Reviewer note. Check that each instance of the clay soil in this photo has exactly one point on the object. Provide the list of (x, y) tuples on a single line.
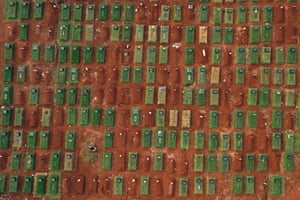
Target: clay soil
[(88, 180)]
